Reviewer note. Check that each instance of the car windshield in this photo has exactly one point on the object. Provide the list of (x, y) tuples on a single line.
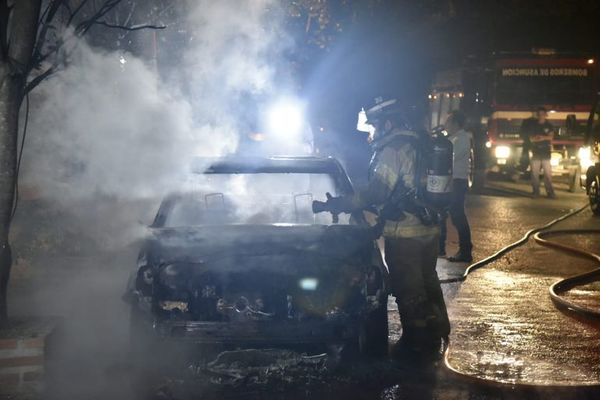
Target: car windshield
[(261, 198)]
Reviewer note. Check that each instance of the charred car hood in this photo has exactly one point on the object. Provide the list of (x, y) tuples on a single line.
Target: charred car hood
[(202, 244)]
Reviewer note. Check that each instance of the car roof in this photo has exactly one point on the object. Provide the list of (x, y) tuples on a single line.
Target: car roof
[(274, 164)]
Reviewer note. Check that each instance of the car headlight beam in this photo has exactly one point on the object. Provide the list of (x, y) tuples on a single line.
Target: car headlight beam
[(585, 157), (502, 152)]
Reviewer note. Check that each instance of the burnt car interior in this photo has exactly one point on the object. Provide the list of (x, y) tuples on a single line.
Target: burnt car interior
[(266, 198), (253, 191)]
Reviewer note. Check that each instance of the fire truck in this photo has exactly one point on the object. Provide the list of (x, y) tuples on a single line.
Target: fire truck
[(501, 91), (590, 180)]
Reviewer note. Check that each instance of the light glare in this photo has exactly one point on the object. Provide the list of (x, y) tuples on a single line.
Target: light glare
[(585, 158), (285, 118), (502, 152), (309, 284)]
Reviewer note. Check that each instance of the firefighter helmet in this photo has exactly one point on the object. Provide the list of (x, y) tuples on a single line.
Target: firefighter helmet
[(389, 109)]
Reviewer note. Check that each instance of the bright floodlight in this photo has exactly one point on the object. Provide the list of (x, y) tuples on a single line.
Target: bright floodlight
[(285, 118)]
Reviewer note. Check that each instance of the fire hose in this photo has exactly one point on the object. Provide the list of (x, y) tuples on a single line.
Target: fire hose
[(497, 255), (566, 284), (586, 315)]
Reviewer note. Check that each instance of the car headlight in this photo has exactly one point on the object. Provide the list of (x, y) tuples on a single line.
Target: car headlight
[(502, 152), (585, 157), (555, 159)]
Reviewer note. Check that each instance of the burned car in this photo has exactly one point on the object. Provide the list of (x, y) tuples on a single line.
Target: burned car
[(241, 260)]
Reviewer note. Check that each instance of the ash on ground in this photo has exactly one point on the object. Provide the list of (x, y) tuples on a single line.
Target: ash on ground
[(268, 367)]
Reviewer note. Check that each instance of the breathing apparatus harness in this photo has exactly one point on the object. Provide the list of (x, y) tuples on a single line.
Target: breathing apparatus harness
[(433, 169)]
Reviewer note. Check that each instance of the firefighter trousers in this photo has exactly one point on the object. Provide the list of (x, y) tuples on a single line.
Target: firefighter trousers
[(414, 282)]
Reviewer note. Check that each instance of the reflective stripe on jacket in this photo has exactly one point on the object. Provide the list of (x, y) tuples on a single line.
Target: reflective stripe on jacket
[(394, 159)]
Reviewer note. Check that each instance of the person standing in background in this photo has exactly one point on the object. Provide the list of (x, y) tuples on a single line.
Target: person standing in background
[(537, 134), (461, 142)]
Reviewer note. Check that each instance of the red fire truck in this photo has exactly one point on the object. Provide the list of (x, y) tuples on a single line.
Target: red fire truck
[(499, 93), (591, 152)]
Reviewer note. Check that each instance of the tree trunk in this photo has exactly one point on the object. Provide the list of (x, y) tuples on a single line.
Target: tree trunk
[(19, 32), (10, 91)]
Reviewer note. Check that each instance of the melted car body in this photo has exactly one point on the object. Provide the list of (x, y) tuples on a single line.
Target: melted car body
[(240, 259)]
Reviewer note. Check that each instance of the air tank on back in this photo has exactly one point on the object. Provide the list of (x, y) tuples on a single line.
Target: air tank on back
[(438, 164)]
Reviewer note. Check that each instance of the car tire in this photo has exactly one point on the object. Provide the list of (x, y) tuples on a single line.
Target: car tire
[(373, 335), (594, 195)]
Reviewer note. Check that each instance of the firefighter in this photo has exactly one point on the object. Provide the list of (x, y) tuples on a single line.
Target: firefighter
[(410, 233)]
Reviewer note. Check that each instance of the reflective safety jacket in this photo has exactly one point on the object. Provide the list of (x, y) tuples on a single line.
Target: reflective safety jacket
[(395, 158)]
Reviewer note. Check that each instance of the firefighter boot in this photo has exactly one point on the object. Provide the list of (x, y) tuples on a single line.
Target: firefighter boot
[(419, 348)]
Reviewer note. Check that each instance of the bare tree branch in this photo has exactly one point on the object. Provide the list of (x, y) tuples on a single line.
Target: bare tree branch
[(129, 28), (49, 14), (76, 11), (129, 15), (39, 79), (84, 26), (68, 7), (79, 31), (46, 11), (165, 9)]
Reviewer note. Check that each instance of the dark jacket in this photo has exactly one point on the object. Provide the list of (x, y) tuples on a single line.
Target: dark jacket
[(531, 127)]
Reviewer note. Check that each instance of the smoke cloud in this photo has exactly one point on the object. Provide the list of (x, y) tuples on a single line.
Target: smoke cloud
[(108, 137), (110, 134), (108, 125), (111, 124)]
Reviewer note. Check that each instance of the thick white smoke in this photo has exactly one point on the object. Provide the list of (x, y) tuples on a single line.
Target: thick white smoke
[(107, 125), (110, 126), (236, 47)]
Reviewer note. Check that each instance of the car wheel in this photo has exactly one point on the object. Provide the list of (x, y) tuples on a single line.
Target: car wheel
[(594, 195), (373, 335)]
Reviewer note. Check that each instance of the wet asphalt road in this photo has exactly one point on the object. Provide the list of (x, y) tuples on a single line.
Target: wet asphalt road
[(504, 326)]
